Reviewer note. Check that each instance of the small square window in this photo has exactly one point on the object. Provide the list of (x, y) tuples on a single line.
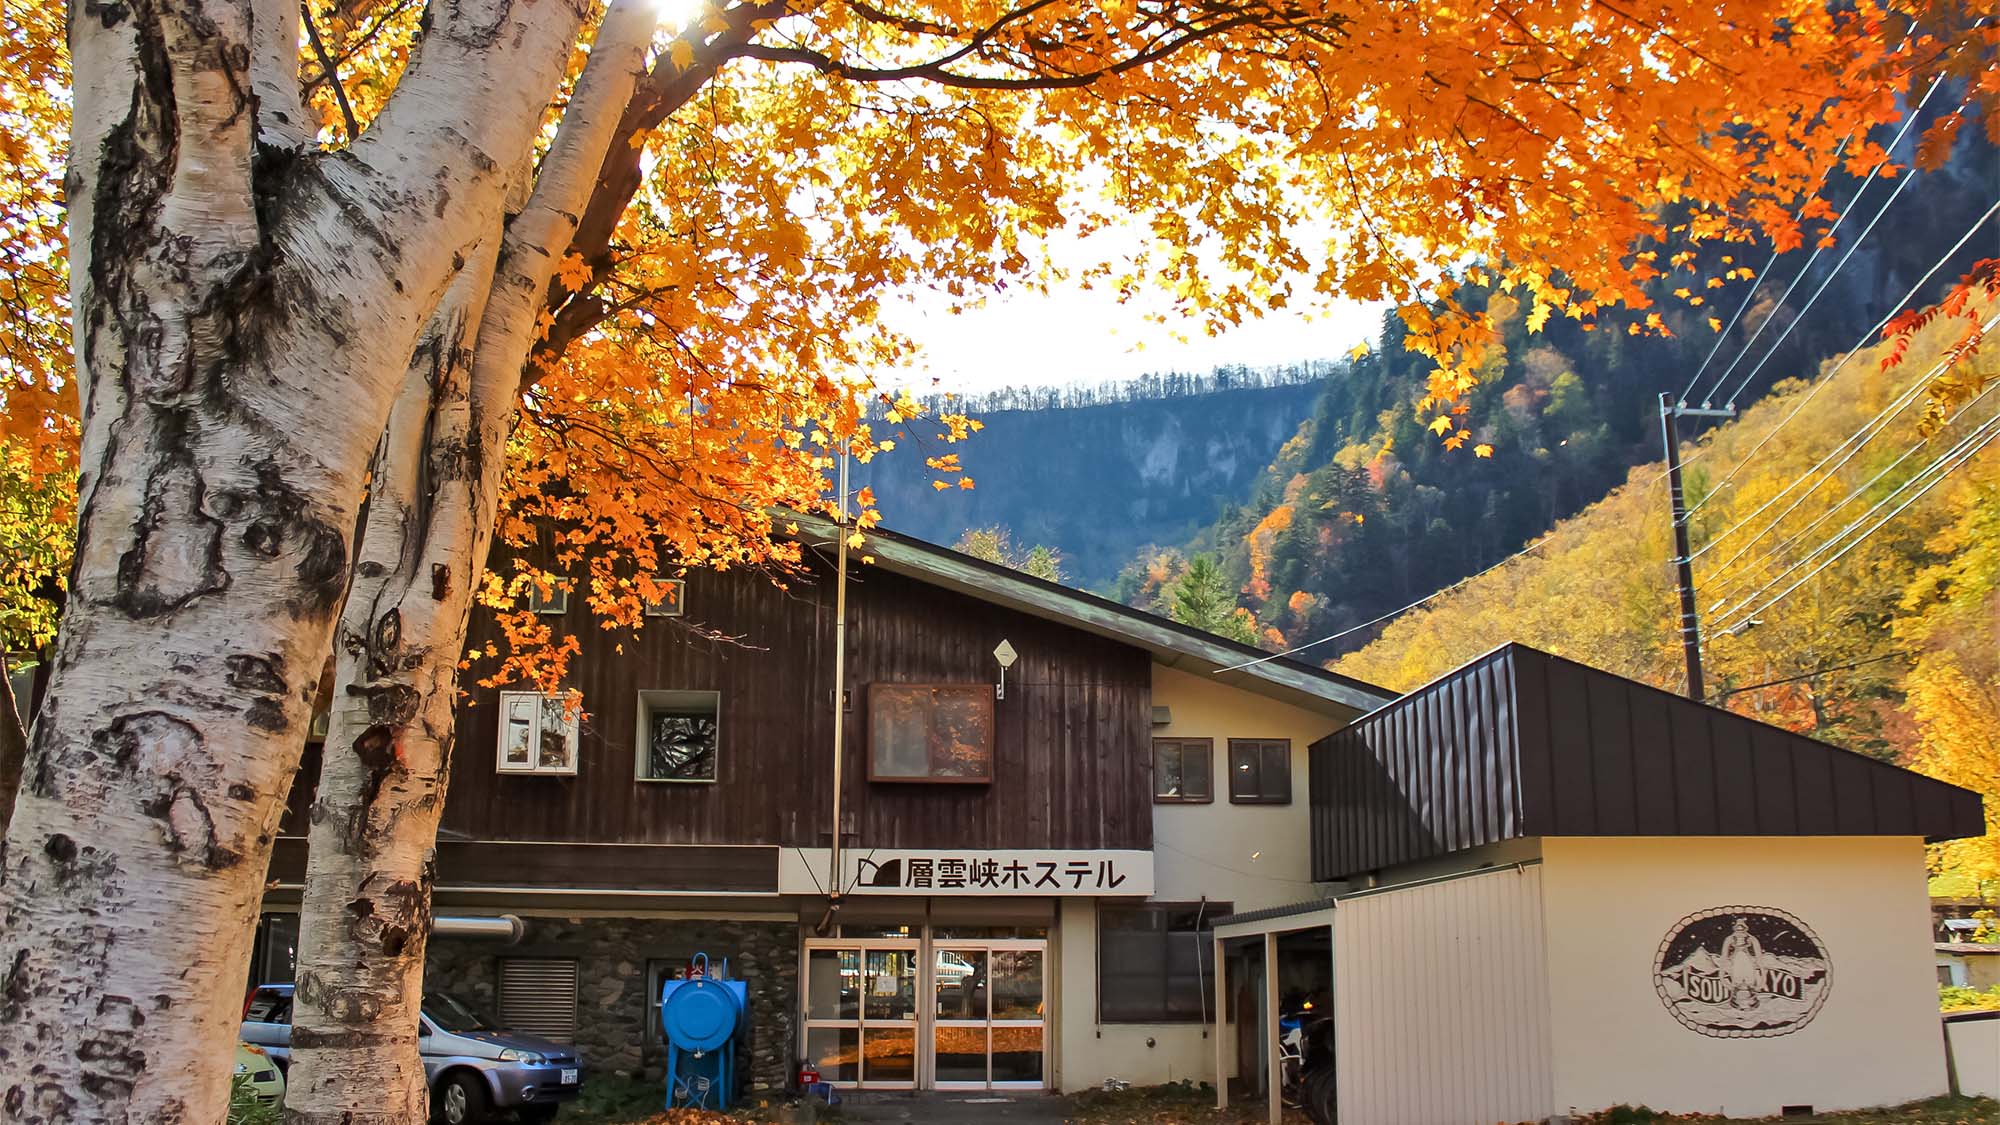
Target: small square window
[(672, 601), (555, 602), (1183, 771), (680, 735), (537, 734), (1260, 771)]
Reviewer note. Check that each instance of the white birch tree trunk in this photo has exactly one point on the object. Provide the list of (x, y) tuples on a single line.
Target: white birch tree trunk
[(365, 919), (245, 313)]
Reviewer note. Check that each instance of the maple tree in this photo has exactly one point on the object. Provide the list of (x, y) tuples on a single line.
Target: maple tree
[(312, 264)]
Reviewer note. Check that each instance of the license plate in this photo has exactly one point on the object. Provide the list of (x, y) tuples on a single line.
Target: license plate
[(569, 1076)]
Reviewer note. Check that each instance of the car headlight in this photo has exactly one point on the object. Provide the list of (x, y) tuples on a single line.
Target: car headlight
[(512, 1055)]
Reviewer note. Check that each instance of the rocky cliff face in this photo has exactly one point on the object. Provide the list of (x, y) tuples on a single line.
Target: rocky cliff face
[(1098, 482)]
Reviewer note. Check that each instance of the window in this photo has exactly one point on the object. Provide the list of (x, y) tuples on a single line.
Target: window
[(930, 732), (672, 601), (1154, 961), (556, 601), (537, 733), (679, 735), (1183, 771), (1260, 771), (660, 970), (538, 996)]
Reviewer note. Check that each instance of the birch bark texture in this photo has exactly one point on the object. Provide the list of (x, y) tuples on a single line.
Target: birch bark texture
[(365, 918), (245, 308)]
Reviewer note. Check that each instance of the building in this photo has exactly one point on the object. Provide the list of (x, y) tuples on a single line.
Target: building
[(1030, 853), (1570, 891), (1969, 964)]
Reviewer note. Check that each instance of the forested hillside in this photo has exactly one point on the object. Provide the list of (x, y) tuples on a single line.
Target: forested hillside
[(1095, 472), (1365, 510), (1892, 649)]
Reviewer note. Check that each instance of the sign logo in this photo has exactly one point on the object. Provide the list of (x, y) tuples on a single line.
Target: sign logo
[(1742, 972), (1034, 873)]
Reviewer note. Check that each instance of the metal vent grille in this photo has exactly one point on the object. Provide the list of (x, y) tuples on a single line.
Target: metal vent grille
[(538, 996)]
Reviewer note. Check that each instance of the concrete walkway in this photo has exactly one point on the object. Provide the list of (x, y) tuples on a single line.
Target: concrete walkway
[(960, 1109)]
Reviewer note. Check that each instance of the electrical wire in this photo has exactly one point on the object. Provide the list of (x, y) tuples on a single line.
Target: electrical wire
[(1727, 692), (1853, 443), (1845, 358), (1750, 292), (1858, 491), (1958, 456), (1440, 592), (1909, 122)]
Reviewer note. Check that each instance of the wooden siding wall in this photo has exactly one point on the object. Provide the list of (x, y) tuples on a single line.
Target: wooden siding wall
[(1071, 760)]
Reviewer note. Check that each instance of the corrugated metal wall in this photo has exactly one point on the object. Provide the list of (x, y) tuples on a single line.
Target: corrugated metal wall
[(1441, 1000), (1522, 743)]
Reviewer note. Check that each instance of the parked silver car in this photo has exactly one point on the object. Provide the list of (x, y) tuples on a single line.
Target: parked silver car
[(473, 1065)]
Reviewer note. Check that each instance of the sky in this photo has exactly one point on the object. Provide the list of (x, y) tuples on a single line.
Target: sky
[(1024, 338), (1020, 337)]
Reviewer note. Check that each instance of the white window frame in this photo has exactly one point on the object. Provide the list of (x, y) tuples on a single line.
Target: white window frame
[(675, 606), (656, 699), (534, 766)]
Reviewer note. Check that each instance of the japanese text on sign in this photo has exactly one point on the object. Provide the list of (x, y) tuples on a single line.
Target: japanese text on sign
[(1083, 872)]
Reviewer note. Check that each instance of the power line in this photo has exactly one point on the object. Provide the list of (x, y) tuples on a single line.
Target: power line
[(1440, 592), (1846, 357), (1723, 332), (1959, 455), (1858, 491), (1819, 247), (1853, 443), (1727, 692), (1800, 316)]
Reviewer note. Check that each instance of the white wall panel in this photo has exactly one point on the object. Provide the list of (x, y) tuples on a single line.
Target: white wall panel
[(1441, 999)]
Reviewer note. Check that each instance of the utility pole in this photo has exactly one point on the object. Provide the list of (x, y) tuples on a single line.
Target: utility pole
[(1683, 554)]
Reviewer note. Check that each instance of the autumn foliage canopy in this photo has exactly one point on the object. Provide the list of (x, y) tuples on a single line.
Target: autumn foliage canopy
[(792, 167)]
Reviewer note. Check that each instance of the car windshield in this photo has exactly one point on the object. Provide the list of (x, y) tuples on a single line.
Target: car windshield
[(455, 1015)]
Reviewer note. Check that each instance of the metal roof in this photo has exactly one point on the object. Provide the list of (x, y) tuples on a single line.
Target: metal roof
[(1520, 743), (1170, 642)]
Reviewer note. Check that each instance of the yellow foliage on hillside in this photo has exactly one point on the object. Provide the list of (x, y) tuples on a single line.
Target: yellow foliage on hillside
[(1846, 590)]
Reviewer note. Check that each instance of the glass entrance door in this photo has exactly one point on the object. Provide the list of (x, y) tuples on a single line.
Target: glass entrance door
[(982, 1023), (989, 1015), (861, 1016)]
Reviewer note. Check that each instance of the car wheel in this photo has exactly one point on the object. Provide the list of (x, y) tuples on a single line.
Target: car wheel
[(460, 1100)]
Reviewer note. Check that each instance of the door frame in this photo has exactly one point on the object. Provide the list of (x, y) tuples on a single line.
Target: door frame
[(926, 948)]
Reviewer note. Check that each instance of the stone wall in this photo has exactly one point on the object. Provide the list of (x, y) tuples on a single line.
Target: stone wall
[(613, 956)]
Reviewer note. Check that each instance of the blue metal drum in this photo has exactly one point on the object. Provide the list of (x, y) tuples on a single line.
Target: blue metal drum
[(701, 1017)]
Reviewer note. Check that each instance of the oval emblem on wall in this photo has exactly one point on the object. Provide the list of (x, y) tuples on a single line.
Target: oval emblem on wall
[(1738, 972)]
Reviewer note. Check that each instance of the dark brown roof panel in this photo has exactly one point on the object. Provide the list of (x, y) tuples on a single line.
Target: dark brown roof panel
[(1521, 743)]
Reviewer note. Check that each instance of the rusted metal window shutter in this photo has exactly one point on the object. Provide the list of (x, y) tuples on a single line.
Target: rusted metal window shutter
[(538, 996)]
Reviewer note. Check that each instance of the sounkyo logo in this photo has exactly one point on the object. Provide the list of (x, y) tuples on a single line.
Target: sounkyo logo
[(1739, 972)]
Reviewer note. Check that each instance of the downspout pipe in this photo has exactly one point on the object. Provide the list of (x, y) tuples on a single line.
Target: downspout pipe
[(505, 928)]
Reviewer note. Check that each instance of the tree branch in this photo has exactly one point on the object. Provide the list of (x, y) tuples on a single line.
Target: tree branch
[(329, 71)]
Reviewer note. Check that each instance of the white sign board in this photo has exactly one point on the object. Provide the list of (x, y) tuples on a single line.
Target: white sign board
[(1013, 874)]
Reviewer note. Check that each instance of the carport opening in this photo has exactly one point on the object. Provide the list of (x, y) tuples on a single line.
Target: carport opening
[(1284, 1032)]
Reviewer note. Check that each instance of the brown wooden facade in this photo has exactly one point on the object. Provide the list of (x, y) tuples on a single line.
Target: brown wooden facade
[(1071, 739)]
